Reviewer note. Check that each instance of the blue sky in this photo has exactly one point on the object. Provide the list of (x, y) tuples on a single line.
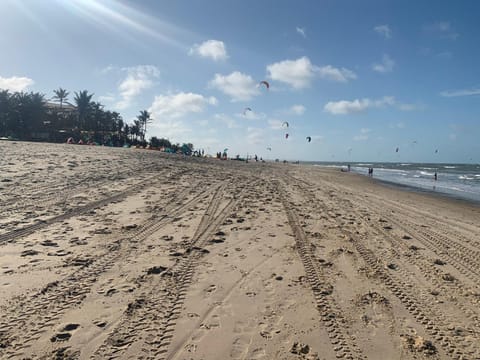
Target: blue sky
[(361, 78)]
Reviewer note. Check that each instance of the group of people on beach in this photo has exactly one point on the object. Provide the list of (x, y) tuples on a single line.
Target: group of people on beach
[(71, 140), (222, 156)]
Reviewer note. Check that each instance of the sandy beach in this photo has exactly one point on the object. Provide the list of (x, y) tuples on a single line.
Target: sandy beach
[(115, 253)]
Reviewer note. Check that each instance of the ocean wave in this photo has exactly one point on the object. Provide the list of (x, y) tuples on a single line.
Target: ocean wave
[(449, 167)]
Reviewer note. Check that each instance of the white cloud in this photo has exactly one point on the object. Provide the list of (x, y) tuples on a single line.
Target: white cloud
[(343, 107), (251, 115), (276, 124), (300, 73), (301, 31), (238, 86), (109, 98), (363, 135), (297, 73), (255, 136), (108, 69), (383, 30), (411, 107), (297, 110), (360, 137), (332, 73), (443, 29), (15, 83), (386, 65), (227, 120), (172, 129), (138, 79), (213, 49), (177, 105), (463, 92), (317, 138)]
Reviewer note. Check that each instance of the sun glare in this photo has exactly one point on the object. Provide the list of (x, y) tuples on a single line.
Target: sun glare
[(120, 17)]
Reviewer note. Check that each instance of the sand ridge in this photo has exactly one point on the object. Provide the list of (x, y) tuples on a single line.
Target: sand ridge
[(128, 253)]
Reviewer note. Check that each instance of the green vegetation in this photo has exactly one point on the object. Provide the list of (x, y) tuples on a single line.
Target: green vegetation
[(31, 117)]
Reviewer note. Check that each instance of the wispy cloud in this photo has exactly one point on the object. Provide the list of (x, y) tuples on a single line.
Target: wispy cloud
[(363, 135), (301, 72), (442, 29), (109, 98), (251, 115), (296, 110), (331, 73), (385, 66), (344, 107), (255, 136), (462, 92), (15, 83), (301, 31), (410, 107), (173, 129), (275, 124), (138, 79), (239, 86), (227, 120), (213, 49), (383, 30)]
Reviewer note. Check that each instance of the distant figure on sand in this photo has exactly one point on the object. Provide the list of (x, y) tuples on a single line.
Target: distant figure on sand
[(370, 171), (435, 176)]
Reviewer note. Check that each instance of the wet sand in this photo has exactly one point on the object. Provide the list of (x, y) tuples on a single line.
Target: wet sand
[(134, 254)]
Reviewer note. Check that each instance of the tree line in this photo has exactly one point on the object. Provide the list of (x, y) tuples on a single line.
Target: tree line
[(30, 116)]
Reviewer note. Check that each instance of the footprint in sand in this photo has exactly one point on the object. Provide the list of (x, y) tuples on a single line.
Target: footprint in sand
[(211, 289), (240, 346), (64, 334)]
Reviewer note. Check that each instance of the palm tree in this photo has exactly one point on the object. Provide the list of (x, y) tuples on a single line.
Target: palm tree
[(29, 113), (5, 111), (83, 100), (143, 119), (136, 129), (61, 95)]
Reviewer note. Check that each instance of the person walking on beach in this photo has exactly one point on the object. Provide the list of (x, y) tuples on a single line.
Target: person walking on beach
[(435, 176)]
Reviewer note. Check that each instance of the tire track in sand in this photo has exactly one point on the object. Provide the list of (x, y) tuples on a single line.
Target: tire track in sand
[(421, 307), (149, 322), (343, 343), (37, 313)]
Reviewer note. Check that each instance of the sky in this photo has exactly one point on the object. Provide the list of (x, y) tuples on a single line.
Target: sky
[(360, 78)]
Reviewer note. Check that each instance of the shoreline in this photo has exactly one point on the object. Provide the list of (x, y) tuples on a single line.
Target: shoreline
[(473, 198), (432, 192)]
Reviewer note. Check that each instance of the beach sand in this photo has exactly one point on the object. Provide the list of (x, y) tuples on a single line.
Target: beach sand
[(134, 254)]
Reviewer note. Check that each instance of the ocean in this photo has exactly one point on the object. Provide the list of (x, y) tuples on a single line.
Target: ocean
[(457, 180)]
